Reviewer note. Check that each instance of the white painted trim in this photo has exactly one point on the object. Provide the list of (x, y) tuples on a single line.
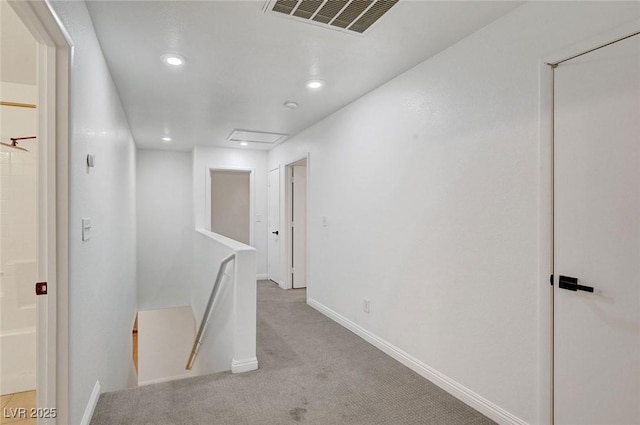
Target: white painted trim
[(207, 197), (54, 58), (165, 379), (286, 227), (454, 388), (595, 41), (262, 276), (245, 365), (91, 405), (269, 254), (308, 211), (545, 253)]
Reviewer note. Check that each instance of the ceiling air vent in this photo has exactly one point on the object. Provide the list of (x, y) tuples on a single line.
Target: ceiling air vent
[(350, 15), (255, 136)]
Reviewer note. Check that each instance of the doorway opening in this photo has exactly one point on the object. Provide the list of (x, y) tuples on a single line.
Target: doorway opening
[(19, 189), (49, 209), (296, 218), (230, 209)]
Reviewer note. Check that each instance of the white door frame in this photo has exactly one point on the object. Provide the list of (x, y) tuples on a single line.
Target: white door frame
[(54, 56), (545, 234), (269, 253), (207, 197), (286, 228)]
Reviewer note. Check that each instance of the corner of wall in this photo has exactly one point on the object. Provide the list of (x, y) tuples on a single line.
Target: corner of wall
[(91, 405)]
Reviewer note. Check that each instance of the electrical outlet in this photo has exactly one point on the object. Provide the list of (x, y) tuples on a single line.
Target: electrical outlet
[(367, 305)]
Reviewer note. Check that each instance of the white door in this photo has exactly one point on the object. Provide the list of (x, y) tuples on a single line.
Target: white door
[(299, 226), (273, 248), (597, 237)]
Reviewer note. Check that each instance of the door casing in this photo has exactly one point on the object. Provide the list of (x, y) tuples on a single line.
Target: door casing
[(207, 212), (298, 225), (545, 228), (286, 227), (54, 56), (273, 252)]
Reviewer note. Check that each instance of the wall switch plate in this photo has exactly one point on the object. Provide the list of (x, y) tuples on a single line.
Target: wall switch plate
[(86, 229), (324, 221), (367, 305)]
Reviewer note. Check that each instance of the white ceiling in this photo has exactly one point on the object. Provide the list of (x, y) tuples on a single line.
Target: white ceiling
[(243, 64)]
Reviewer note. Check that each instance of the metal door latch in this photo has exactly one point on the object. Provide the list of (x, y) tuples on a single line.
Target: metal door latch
[(571, 284), (41, 288)]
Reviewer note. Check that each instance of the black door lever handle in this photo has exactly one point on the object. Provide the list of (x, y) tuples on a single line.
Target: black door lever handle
[(571, 284), (275, 233)]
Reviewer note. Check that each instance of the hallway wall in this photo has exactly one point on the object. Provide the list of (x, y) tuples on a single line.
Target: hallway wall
[(165, 228), (204, 157), (430, 185), (102, 270)]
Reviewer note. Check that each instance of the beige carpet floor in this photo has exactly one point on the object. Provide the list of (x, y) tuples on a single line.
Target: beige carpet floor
[(312, 371)]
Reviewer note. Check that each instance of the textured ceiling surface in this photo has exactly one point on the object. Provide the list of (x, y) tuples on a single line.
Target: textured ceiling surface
[(242, 64)]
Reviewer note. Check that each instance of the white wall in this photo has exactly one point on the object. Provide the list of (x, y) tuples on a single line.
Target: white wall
[(205, 158), (165, 338), (430, 188), (229, 341), (18, 219), (231, 204), (18, 237), (165, 228), (102, 271)]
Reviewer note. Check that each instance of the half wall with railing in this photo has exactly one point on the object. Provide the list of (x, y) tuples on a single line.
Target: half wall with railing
[(217, 331), (227, 330)]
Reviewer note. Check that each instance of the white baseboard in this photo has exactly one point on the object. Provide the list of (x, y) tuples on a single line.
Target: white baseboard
[(165, 379), (17, 383), (246, 365), (91, 405), (457, 390), (262, 276)]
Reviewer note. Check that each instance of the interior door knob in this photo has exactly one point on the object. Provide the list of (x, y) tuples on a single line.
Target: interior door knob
[(275, 233)]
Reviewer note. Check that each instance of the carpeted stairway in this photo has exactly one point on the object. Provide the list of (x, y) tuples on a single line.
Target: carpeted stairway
[(312, 371)]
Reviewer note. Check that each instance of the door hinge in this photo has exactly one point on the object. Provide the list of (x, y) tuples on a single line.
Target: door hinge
[(551, 280), (41, 288)]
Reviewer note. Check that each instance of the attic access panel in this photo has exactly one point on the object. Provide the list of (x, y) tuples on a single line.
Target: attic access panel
[(355, 16)]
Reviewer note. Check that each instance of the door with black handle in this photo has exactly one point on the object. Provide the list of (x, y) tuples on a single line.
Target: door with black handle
[(597, 237)]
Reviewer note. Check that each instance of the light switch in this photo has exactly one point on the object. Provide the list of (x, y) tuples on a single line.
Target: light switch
[(324, 221), (86, 229), (258, 218)]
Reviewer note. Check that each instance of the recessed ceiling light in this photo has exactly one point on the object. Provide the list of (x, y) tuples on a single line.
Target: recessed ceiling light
[(173, 59), (315, 84), (290, 104), (244, 143), (166, 139)]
